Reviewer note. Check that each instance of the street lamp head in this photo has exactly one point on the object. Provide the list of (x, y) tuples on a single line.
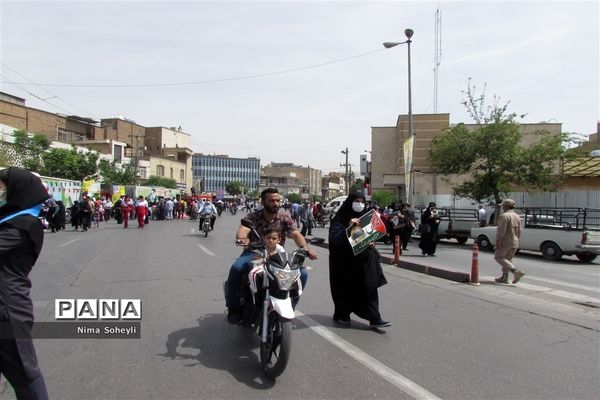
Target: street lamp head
[(388, 45), (409, 33)]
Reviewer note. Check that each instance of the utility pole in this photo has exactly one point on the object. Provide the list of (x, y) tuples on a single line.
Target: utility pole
[(347, 179)]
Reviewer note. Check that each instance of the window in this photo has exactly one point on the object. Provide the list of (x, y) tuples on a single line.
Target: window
[(160, 170), (171, 173), (181, 176)]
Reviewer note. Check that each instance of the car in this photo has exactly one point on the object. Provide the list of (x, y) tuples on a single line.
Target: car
[(334, 205)]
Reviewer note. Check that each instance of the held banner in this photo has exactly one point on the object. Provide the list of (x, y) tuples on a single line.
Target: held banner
[(371, 228)]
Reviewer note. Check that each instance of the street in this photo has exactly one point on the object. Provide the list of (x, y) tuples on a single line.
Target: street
[(536, 340)]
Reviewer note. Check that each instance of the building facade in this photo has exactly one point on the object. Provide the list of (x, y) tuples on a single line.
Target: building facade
[(289, 178), (211, 173)]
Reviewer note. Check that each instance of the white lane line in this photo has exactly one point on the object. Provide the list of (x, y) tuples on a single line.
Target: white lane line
[(554, 292), (565, 284), (207, 251), (401, 382), (69, 242)]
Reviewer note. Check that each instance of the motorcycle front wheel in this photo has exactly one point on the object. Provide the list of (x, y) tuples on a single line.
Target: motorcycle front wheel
[(275, 352)]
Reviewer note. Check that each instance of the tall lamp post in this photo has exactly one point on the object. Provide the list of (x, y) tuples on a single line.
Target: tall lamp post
[(409, 34), (347, 178)]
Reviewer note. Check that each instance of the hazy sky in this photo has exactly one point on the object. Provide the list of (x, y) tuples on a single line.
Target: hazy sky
[(541, 56)]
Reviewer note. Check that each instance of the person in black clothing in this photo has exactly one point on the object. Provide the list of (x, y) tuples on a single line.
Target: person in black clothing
[(76, 215), (353, 279), (429, 234), (61, 216), (21, 239)]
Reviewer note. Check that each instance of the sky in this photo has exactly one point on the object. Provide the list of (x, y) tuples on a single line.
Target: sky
[(299, 81)]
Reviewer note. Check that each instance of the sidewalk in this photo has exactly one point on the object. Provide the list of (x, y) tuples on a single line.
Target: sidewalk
[(423, 266)]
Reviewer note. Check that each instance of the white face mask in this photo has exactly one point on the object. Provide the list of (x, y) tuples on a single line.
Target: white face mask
[(357, 206)]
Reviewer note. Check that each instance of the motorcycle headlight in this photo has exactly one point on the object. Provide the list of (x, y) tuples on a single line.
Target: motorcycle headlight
[(285, 277)]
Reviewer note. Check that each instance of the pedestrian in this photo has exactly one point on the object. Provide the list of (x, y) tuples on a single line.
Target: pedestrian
[(430, 221), (396, 224), (76, 215), (482, 216), (126, 208), (409, 217), (508, 232), (21, 240), (353, 278), (141, 210)]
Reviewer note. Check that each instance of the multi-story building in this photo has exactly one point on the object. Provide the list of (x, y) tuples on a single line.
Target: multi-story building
[(333, 185), (170, 154), (289, 178), (211, 173)]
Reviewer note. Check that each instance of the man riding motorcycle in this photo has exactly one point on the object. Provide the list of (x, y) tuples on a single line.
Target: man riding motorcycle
[(268, 217), (207, 207)]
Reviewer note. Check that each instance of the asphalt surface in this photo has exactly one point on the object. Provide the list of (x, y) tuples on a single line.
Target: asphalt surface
[(448, 340)]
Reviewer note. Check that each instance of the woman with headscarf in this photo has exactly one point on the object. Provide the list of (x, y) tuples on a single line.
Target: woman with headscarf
[(21, 239), (430, 222), (353, 279)]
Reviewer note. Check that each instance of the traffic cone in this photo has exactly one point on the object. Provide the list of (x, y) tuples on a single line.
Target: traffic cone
[(475, 266)]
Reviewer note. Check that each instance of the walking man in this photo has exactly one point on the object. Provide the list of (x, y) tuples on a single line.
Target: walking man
[(508, 232)]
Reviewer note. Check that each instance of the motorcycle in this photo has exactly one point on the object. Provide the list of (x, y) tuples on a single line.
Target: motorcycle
[(266, 300), (205, 223)]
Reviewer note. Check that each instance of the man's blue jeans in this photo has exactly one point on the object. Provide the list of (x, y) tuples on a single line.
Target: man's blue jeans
[(235, 279)]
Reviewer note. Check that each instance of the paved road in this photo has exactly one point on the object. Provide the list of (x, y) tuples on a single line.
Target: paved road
[(448, 340)]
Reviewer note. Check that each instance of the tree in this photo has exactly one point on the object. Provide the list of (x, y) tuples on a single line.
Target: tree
[(234, 188), (69, 163), (168, 183), (115, 176), (293, 198), (493, 156), (383, 198), (31, 148), (357, 186)]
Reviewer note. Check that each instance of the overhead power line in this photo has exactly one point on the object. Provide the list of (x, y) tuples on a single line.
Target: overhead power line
[(201, 82)]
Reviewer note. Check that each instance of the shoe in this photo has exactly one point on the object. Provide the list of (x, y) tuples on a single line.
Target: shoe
[(518, 275), (502, 279), (380, 324), (342, 320), (234, 316), (424, 254)]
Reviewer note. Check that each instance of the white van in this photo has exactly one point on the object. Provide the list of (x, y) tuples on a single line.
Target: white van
[(335, 204)]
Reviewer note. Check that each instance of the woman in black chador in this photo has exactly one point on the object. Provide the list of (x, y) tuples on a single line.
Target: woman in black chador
[(353, 279), (21, 239), (429, 234)]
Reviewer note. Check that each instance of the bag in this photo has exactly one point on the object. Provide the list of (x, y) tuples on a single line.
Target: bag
[(424, 228)]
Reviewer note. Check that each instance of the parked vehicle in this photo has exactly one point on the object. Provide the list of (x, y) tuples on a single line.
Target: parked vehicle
[(266, 300), (455, 223), (334, 205), (552, 231)]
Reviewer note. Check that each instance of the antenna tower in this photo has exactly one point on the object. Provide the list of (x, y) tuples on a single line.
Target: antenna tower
[(437, 57)]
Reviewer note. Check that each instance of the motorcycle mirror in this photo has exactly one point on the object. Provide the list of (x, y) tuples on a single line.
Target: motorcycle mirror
[(247, 224)]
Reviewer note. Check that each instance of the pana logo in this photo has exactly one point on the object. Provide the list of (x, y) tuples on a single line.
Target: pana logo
[(95, 309)]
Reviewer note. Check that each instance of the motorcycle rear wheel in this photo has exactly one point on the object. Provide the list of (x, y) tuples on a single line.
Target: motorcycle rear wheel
[(275, 353)]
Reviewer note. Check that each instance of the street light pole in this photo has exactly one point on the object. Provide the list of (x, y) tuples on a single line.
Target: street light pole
[(347, 187), (409, 34)]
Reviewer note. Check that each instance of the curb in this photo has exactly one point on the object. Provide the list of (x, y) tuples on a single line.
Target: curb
[(444, 273)]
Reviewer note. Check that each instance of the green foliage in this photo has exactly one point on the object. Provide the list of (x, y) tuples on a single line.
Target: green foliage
[(383, 198), (253, 194), (357, 186), (154, 180), (492, 154), (5, 158), (234, 188), (31, 149), (68, 163), (293, 198), (115, 176)]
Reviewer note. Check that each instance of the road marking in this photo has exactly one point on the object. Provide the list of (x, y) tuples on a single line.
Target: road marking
[(69, 242), (192, 231), (555, 292), (207, 251), (565, 284), (401, 382)]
